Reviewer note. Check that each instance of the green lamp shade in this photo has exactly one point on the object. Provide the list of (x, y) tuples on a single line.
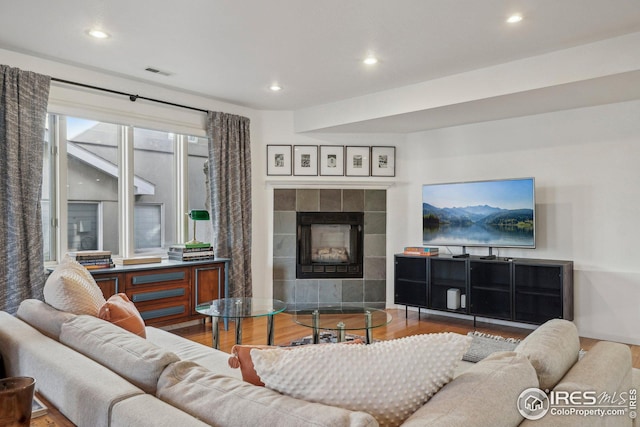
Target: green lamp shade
[(199, 215)]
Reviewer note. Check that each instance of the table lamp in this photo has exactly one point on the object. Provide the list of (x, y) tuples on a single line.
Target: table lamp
[(197, 215)]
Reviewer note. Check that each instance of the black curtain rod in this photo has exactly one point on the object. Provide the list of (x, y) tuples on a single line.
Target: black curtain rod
[(132, 98)]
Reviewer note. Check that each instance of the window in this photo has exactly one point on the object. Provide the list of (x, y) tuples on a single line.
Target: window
[(198, 149), (154, 182), (82, 195), (92, 176), (83, 226), (148, 227), (48, 188)]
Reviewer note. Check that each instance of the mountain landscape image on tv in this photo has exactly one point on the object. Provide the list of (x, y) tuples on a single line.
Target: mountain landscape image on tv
[(498, 213)]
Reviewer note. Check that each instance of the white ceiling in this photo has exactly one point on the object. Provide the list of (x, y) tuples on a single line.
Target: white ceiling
[(233, 50)]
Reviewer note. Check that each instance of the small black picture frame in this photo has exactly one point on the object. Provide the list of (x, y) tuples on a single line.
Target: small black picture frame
[(305, 160), (357, 161), (331, 160), (383, 161), (278, 160)]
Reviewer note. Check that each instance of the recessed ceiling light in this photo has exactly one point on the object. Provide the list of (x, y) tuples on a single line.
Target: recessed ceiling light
[(98, 34), (370, 60), (275, 87), (513, 19)]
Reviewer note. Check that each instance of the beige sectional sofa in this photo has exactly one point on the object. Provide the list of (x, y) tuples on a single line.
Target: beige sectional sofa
[(97, 374)]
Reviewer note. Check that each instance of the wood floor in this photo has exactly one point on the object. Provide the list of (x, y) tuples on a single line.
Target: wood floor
[(254, 331)]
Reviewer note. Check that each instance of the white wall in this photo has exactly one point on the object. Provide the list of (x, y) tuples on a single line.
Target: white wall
[(585, 162), (92, 104)]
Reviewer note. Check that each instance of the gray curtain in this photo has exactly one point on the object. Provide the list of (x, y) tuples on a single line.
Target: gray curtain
[(23, 110), (229, 169)]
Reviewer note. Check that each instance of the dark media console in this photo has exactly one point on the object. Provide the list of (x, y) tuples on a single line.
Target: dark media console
[(519, 290)]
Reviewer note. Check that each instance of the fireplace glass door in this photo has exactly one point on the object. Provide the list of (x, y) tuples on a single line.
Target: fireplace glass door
[(329, 245)]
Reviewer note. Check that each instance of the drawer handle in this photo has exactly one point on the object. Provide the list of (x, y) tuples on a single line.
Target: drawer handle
[(154, 314), (154, 278), (150, 296)]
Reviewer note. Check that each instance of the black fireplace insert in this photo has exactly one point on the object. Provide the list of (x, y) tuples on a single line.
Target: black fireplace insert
[(329, 245)]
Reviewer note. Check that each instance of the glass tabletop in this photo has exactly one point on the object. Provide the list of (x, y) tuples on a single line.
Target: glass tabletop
[(342, 317), (241, 307)]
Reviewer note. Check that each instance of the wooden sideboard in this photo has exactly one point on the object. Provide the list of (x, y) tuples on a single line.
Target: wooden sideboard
[(166, 292)]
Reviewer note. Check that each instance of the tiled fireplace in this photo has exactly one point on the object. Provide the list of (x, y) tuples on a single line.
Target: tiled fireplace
[(308, 292)]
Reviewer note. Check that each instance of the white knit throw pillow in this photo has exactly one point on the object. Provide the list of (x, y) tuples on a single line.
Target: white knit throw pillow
[(388, 379), (70, 287)]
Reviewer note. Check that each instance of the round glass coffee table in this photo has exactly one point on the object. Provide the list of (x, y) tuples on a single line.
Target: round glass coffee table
[(238, 309), (342, 318)]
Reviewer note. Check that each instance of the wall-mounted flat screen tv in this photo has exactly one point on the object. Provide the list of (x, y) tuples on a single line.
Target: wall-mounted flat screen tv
[(498, 213)]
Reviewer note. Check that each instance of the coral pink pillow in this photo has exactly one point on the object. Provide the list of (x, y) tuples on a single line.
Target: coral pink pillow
[(120, 311), (241, 358)]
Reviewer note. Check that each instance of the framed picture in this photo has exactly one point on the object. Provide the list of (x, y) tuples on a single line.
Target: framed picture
[(305, 160), (331, 160), (357, 161), (383, 161), (278, 160)]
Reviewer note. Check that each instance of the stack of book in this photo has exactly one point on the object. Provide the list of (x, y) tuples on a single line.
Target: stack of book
[(38, 408), (420, 250), (93, 260), (191, 252)]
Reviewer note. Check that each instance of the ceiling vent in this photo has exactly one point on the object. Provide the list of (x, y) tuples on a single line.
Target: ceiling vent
[(156, 71)]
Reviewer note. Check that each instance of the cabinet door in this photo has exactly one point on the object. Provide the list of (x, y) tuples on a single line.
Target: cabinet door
[(445, 276), (538, 292), (490, 287), (208, 283), (109, 283), (411, 281)]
